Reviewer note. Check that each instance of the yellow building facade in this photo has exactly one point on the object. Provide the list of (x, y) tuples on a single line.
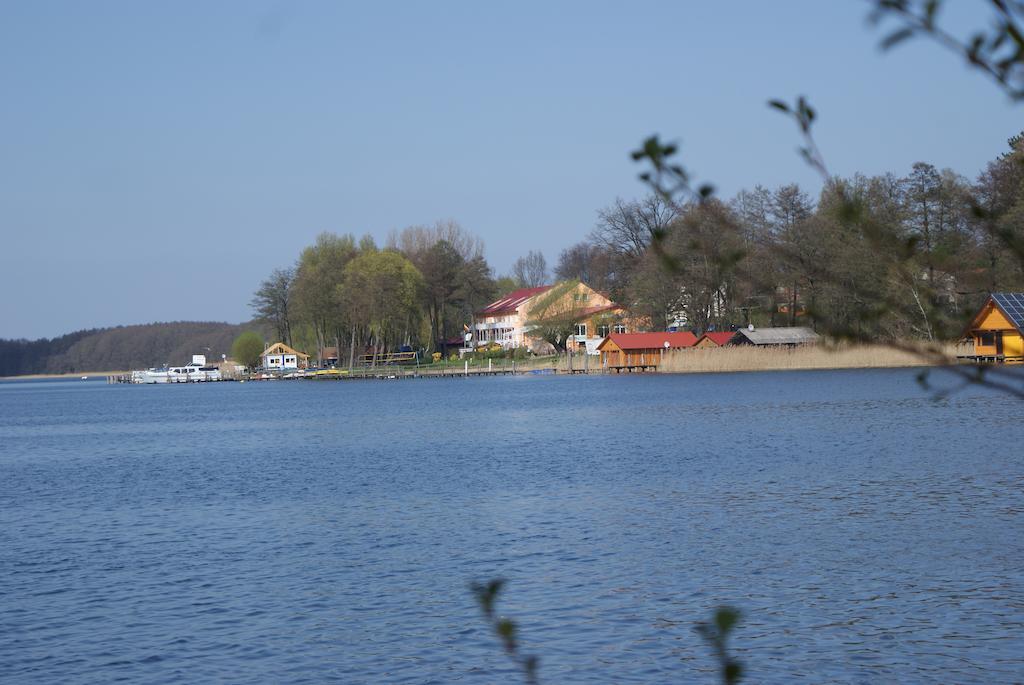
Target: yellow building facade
[(998, 329)]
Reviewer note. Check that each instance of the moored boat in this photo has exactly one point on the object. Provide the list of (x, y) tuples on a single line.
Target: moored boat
[(195, 371)]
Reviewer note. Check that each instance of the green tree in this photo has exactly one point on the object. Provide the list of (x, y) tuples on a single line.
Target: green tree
[(381, 292), (247, 348), (321, 268)]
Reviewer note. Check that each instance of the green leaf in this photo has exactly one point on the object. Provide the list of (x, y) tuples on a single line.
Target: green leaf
[(725, 619), (507, 630), (487, 594)]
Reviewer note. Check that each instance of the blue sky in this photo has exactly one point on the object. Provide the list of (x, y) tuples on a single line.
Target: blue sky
[(157, 160)]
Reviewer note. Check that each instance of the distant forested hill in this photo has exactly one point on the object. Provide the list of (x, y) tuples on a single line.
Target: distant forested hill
[(121, 348)]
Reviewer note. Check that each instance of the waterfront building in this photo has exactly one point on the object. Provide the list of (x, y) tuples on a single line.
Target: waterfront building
[(790, 336), (280, 357), (640, 350), (715, 339), (997, 330), (506, 321)]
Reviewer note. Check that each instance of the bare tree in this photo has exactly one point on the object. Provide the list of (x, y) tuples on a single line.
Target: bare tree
[(626, 228), (590, 264), (272, 302), (531, 271), (415, 241)]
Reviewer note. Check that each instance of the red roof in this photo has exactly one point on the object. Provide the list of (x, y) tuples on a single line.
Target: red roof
[(719, 337), (511, 302), (651, 341)]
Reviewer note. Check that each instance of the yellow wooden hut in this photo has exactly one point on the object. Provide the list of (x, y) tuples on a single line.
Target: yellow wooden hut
[(998, 329)]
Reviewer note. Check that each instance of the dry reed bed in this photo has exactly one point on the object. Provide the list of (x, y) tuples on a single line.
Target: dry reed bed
[(746, 358)]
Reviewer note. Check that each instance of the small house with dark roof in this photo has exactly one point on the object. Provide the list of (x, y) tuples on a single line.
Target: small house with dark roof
[(790, 336), (997, 330), (631, 351), (715, 339)]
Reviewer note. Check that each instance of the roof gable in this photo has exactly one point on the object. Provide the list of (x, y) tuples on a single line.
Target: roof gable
[(718, 337), (1000, 310), (281, 348)]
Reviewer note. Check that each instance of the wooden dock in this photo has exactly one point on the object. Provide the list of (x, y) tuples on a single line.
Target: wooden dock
[(630, 368), (386, 372)]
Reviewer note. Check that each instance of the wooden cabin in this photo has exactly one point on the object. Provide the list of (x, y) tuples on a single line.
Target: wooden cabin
[(640, 350), (280, 357), (997, 331), (715, 339), (790, 336)]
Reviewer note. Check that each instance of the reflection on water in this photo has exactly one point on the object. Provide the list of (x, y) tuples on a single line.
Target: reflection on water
[(311, 532)]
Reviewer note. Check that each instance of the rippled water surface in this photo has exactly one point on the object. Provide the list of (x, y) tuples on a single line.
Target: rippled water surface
[(313, 532)]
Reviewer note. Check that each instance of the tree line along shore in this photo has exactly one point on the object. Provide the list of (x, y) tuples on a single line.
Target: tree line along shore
[(892, 258), (767, 257)]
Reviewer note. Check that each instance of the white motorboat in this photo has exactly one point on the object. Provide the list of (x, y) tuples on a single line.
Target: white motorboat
[(195, 371)]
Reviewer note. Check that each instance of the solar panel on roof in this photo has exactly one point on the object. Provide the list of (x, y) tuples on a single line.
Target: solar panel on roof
[(1012, 305)]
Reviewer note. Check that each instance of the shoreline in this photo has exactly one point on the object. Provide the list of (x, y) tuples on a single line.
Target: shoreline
[(57, 376), (709, 360)]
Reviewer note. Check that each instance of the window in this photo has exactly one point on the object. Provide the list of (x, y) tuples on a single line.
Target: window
[(620, 328), (581, 329), (987, 338), (602, 331)]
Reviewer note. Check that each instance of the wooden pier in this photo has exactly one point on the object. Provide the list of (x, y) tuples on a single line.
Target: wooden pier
[(404, 374), (386, 372), (630, 368)]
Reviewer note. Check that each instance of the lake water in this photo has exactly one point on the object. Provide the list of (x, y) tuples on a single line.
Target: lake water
[(302, 532)]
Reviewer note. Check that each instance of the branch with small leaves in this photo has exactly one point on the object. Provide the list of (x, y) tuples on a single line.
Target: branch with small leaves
[(998, 52), (716, 633), (804, 115), (668, 178), (505, 628)]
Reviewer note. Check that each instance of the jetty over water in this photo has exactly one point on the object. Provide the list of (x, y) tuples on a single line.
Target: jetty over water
[(385, 372)]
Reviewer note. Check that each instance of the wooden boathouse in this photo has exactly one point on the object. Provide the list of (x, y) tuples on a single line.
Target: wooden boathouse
[(715, 339), (997, 330), (640, 351)]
